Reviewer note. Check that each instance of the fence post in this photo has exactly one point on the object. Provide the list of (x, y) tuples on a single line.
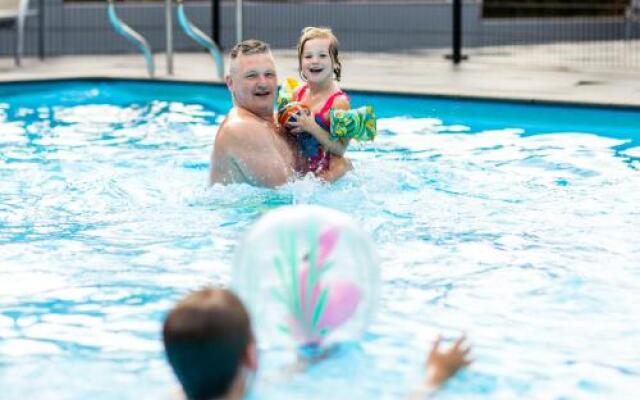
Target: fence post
[(456, 43), (215, 22), (168, 20), (239, 22), (41, 50)]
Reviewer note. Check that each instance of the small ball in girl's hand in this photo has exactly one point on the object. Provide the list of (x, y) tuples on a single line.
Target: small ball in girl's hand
[(290, 112)]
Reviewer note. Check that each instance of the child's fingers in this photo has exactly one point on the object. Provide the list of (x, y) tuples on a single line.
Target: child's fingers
[(459, 342), (436, 343)]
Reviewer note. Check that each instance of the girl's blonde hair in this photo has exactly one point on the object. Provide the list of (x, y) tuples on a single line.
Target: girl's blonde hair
[(312, 32)]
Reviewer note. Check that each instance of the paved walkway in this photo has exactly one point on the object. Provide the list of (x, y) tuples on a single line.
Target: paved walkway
[(484, 75)]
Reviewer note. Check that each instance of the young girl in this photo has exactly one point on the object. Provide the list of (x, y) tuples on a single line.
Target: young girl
[(320, 68)]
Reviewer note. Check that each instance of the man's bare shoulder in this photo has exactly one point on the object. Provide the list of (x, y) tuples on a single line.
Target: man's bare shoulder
[(245, 132), (233, 131), (241, 126), (236, 124)]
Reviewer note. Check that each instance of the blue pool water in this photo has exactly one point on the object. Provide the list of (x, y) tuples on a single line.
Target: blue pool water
[(516, 223)]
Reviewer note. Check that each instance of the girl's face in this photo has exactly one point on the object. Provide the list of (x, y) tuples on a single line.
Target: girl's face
[(317, 65)]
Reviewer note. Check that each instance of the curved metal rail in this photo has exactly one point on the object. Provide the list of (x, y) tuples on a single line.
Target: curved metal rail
[(201, 38), (132, 36)]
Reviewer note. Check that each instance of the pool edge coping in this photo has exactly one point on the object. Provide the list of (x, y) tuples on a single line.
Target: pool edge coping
[(400, 93)]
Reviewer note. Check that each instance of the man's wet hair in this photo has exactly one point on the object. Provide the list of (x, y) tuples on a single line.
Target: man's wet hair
[(248, 47), (206, 336)]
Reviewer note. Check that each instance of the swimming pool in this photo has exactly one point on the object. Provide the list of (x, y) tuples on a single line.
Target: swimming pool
[(516, 223)]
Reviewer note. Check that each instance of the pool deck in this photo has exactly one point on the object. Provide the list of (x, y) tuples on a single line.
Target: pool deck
[(423, 72)]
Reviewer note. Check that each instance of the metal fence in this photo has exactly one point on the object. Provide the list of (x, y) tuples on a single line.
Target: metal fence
[(536, 32), (570, 32)]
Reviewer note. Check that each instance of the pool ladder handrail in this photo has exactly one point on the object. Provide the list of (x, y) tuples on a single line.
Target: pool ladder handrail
[(134, 37), (201, 38)]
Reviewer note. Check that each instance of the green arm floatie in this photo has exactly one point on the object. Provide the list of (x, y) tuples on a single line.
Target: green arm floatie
[(358, 123)]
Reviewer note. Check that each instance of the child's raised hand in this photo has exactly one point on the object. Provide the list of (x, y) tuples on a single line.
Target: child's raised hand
[(441, 365)]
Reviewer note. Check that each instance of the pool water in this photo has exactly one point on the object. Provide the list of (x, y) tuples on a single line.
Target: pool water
[(515, 223)]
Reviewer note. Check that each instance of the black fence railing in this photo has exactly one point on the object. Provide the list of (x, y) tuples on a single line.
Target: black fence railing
[(553, 8), (535, 32), (555, 32)]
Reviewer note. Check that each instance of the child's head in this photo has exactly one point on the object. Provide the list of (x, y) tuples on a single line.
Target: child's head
[(323, 40), (208, 339)]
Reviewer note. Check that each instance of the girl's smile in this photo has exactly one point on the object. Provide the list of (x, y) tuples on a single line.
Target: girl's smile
[(317, 65)]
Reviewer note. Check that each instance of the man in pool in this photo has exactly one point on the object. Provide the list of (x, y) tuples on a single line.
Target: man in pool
[(249, 146), (211, 348)]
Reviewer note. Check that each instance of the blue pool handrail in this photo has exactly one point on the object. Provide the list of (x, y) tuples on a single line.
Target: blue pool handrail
[(201, 38), (134, 37)]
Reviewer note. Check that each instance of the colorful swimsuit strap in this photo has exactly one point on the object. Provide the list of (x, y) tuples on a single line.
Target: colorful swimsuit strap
[(299, 94), (324, 121), (325, 109), (330, 100)]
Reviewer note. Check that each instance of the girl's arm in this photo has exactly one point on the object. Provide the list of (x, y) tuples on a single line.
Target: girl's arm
[(307, 123)]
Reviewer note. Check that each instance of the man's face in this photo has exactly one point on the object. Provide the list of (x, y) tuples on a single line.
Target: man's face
[(253, 81)]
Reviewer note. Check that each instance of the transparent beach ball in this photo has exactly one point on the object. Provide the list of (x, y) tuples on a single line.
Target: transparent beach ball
[(309, 277)]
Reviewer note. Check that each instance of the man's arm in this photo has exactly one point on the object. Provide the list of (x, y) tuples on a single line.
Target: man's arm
[(222, 168), (253, 149)]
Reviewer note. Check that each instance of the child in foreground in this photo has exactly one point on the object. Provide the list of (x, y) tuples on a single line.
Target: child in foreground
[(211, 348)]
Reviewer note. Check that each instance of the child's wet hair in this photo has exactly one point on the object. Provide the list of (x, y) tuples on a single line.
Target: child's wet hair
[(206, 336), (312, 32)]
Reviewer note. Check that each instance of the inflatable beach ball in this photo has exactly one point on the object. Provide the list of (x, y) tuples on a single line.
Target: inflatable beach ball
[(309, 276)]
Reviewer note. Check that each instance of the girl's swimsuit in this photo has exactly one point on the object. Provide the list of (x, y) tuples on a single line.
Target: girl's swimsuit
[(311, 148)]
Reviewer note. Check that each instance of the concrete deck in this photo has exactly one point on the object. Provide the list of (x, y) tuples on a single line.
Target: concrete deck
[(490, 74)]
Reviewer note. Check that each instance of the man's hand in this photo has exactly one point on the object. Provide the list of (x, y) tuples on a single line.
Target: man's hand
[(441, 365)]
